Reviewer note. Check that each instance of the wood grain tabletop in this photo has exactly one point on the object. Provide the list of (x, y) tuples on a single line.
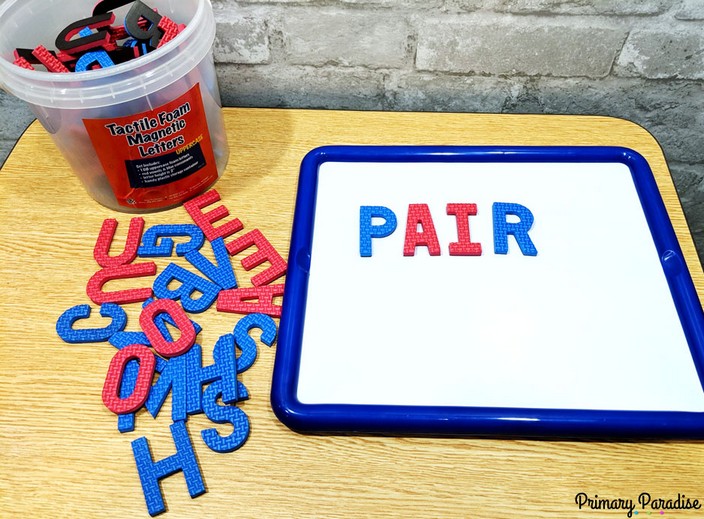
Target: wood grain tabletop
[(61, 454)]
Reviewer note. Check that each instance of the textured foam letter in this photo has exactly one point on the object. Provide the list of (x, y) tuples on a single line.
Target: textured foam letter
[(367, 230), (519, 230), (113, 381), (94, 288), (141, 11), (419, 214), (463, 246), (101, 251), (265, 253), (224, 414), (150, 471), (163, 345), (251, 300), (205, 220), (221, 272), (155, 242), (64, 325), (191, 285)]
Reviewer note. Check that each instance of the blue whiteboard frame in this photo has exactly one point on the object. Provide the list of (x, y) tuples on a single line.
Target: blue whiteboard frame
[(478, 421)]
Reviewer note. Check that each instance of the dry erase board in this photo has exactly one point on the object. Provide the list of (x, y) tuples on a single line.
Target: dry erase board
[(488, 291)]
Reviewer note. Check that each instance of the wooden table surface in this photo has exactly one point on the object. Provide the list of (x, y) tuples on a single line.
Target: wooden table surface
[(62, 456)]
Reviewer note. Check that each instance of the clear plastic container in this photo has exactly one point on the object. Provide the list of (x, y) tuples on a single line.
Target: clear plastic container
[(159, 86)]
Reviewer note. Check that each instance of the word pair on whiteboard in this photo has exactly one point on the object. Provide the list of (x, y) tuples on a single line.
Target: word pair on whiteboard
[(420, 229)]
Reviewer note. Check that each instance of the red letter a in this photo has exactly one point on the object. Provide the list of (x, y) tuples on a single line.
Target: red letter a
[(419, 214)]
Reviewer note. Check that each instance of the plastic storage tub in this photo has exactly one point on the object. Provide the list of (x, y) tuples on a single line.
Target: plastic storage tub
[(143, 135)]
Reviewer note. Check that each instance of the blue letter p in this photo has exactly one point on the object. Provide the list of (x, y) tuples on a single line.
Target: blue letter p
[(367, 231)]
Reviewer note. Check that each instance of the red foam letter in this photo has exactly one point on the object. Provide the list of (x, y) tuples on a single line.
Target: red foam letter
[(238, 300), (266, 252), (94, 289), (113, 380), (205, 220), (463, 246), (170, 28), (22, 62), (161, 344), (419, 214), (50, 61), (101, 251)]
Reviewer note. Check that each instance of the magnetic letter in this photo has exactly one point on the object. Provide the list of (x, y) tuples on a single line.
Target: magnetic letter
[(367, 230), (90, 59), (121, 55), (170, 29), (223, 414), (113, 381), (64, 325), (88, 39), (150, 471), (191, 284), (162, 319), (138, 11), (94, 288), (221, 272), (518, 230), (205, 220), (245, 342), (419, 214), (164, 346), (265, 252), (153, 246), (240, 300), (224, 368), (463, 246), (173, 379), (27, 56), (22, 62), (125, 422), (105, 6), (49, 60), (101, 251)]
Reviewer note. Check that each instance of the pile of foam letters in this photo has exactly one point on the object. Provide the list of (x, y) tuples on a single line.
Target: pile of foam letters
[(194, 388), (96, 42)]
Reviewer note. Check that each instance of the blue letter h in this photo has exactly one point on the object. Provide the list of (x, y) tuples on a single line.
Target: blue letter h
[(150, 471)]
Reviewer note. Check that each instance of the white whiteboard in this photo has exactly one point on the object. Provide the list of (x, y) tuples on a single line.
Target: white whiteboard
[(588, 323)]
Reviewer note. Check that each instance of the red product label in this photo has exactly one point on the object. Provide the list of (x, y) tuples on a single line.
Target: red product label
[(156, 158)]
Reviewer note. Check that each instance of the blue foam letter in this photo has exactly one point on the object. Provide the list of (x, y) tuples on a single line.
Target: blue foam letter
[(150, 471), (150, 249), (190, 285), (64, 325), (221, 272), (519, 230), (88, 59), (224, 369), (224, 414), (172, 378), (244, 341), (367, 231)]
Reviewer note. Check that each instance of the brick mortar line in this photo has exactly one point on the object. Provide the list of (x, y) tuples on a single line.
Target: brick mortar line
[(331, 66)]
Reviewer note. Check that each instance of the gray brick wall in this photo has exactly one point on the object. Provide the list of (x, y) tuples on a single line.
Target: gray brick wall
[(642, 60)]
